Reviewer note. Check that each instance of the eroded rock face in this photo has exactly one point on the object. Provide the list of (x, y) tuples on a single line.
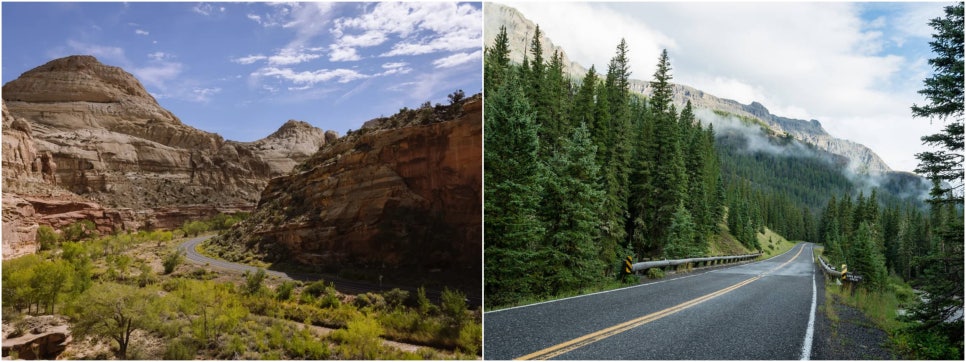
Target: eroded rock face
[(40, 337), (85, 136), (396, 198), (111, 142)]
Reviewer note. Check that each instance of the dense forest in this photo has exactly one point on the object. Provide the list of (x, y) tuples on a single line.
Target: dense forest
[(580, 174)]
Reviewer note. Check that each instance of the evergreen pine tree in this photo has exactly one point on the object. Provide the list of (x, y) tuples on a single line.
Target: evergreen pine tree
[(572, 208), (512, 181)]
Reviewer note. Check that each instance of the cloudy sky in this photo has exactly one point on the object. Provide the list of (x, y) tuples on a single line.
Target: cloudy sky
[(856, 67), (243, 69)]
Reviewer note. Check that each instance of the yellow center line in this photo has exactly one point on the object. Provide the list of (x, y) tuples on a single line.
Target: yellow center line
[(559, 349)]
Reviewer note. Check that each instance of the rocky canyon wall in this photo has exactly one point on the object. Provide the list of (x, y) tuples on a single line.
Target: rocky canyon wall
[(396, 198)]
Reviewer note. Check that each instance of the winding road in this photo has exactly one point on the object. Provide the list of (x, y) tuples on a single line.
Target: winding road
[(342, 285), (760, 310)]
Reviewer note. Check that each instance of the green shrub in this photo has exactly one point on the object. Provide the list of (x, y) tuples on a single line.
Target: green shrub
[(47, 237), (655, 273), (360, 339), (470, 338), (396, 297), (253, 281), (284, 290), (373, 300), (172, 260)]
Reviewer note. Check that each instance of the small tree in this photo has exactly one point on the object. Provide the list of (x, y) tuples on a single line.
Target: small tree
[(47, 237), (172, 260), (114, 311), (253, 281)]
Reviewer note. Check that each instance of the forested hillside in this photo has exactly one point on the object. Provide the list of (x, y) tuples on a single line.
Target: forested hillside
[(581, 173), (578, 175)]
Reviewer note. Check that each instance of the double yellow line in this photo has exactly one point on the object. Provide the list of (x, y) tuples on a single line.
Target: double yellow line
[(554, 351)]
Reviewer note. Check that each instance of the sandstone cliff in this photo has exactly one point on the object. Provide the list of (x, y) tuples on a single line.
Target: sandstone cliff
[(520, 32), (113, 143), (402, 195), (80, 133)]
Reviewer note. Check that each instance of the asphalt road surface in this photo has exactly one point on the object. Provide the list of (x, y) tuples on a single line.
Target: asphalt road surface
[(760, 310)]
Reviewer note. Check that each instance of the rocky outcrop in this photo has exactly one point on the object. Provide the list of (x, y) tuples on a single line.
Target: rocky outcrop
[(520, 32), (112, 143), (84, 140), (40, 337), (402, 198)]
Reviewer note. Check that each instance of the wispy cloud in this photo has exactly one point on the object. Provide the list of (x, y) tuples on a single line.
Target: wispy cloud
[(141, 32), (207, 9), (311, 77), (458, 59), (421, 27)]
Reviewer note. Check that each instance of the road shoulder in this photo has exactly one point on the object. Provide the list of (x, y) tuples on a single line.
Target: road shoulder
[(844, 333)]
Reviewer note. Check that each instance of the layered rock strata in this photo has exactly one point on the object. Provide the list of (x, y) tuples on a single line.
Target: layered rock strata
[(77, 132), (395, 198)]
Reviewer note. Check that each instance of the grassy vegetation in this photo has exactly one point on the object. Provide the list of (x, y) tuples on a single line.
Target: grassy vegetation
[(180, 311), (773, 244), (882, 308)]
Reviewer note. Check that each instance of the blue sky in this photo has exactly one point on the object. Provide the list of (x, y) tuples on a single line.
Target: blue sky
[(243, 69), (856, 67)]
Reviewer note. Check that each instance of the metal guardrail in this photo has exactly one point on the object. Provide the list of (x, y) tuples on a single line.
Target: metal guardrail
[(828, 269), (707, 260)]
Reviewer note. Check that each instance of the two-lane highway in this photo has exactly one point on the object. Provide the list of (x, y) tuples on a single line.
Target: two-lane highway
[(761, 310)]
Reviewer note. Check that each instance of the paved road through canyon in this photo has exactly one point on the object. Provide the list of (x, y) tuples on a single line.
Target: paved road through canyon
[(760, 310)]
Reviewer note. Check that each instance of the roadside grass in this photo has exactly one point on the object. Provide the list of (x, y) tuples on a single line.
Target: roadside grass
[(773, 244), (882, 309)]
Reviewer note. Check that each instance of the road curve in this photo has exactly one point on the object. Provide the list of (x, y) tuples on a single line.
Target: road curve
[(760, 310), (342, 285), (191, 253)]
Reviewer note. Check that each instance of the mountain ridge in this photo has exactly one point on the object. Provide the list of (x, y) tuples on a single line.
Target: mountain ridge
[(520, 29)]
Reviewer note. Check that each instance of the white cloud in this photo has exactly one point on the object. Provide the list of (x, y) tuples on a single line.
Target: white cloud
[(311, 77), (158, 74), (339, 53), (141, 32), (421, 27), (457, 59), (286, 56), (290, 56), (394, 65), (203, 9), (395, 68), (249, 59), (158, 56), (367, 39), (308, 20), (255, 18)]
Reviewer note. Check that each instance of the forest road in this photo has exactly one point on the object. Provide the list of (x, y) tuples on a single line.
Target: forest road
[(760, 310)]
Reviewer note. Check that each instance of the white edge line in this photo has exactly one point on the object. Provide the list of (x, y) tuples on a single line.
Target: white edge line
[(619, 289), (810, 331)]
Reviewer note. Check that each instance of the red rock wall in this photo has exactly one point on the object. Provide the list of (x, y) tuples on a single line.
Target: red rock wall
[(406, 197)]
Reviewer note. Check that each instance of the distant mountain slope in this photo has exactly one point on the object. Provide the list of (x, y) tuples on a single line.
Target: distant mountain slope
[(520, 30)]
